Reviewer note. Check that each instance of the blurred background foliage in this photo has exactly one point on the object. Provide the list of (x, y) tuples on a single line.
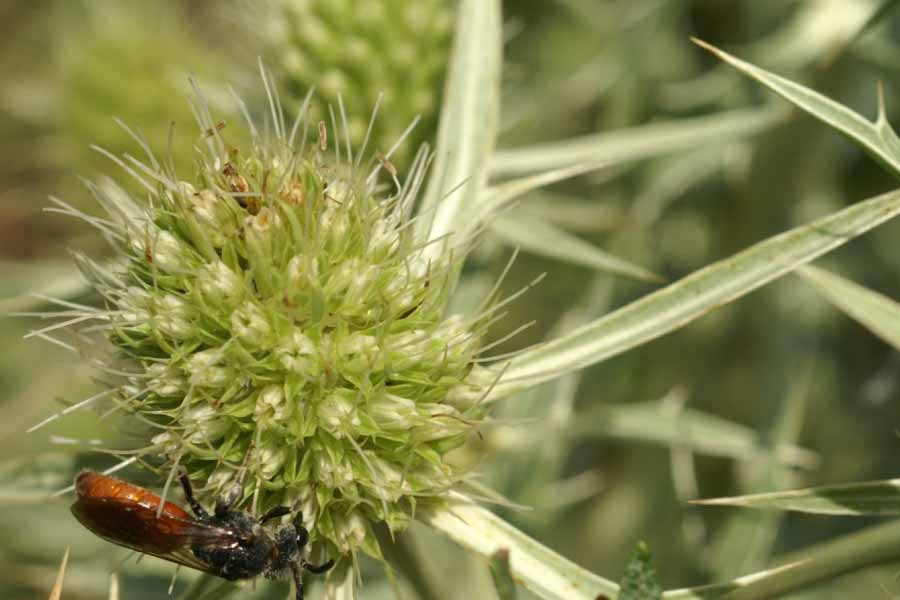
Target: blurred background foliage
[(777, 390)]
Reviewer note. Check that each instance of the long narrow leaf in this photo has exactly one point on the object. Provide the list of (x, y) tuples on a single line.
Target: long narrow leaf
[(695, 430), (533, 566), (668, 309), (878, 313), (745, 543), (877, 138), (469, 117), (879, 498), (576, 215), (541, 238), (552, 577), (873, 546), (500, 195), (636, 143)]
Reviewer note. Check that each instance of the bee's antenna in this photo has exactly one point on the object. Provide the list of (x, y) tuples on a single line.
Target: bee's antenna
[(189, 496)]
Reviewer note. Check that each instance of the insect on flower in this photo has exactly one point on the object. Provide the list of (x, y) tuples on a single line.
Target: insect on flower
[(228, 543)]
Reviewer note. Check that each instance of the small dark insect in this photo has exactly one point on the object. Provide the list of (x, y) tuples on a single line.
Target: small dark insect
[(229, 543)]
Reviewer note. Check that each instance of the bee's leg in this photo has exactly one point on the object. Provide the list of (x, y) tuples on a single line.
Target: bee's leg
[(298, 580), (189, 495), (317, 569), (278, 511)]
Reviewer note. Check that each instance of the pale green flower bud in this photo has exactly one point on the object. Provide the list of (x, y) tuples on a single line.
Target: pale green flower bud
[(350, 531), (219, 478), (337, 414), (272, 405), (248, 322), (359, 354), (269, 457), (298, 354), (218, 283), (393, 412), (209, 211), (165, 442), (204, 370), (204, 426), (163, 250), (164, 382), (172, 317), (134, 304)]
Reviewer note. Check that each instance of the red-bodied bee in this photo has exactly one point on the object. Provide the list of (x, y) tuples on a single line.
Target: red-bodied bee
[(229, 543)]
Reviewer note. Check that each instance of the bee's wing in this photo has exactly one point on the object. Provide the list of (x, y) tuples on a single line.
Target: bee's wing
[(137, 526), (182, 556)]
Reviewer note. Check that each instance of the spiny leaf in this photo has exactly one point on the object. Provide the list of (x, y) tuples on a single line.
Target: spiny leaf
[(636, 143), (539, 237), (681, 302), (879, 498), (693, 429), (877, 138), (533, 565), (878, 313), (469, 117)]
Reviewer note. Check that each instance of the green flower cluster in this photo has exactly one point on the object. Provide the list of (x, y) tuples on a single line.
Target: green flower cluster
[(358, 51), (285, 330)]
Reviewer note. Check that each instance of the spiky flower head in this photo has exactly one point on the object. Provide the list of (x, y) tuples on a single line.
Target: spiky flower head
[(282, 328), (360, 51)]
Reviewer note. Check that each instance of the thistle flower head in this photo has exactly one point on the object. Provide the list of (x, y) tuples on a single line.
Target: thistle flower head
[(284, 329), (362, 53)]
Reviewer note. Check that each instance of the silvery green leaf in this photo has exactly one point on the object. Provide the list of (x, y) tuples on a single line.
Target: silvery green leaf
[(539, 237), (689, 428), (468, 123), (878, 313), (536, 567), (879, 498), (877, 138), (635, 143), (679, 303)]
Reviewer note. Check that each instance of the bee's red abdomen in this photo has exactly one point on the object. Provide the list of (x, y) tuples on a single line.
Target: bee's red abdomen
[(126, 514), (95, 486)]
